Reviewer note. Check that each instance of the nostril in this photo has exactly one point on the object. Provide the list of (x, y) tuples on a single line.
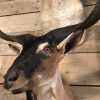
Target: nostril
[(7, 85), (13, 77)]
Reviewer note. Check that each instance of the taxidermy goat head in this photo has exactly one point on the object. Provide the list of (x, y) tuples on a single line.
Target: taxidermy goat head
[(40, 55)]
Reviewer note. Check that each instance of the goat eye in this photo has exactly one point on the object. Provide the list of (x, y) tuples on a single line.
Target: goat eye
[(47, 49)]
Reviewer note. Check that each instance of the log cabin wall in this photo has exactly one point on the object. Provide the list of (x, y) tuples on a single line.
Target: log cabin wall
[(80, 67)]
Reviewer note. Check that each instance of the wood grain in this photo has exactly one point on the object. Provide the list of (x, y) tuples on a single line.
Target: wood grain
[(5, 50), (20, 23), (91, 43), (13, 7), (5, 63), (81, 68), (87, 93)]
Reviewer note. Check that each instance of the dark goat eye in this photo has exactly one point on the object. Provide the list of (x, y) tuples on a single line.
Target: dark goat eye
[(47, 50)]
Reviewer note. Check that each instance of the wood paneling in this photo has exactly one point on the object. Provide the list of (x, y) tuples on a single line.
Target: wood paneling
[(5, 63), (81, 68), (12, 7), (20, 23), (91, 43), (87, 93), (5, 50)]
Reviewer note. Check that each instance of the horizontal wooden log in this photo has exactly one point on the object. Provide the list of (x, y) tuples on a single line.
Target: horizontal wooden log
[(81, 68), (13, 7), (20, 23), (87, 93)]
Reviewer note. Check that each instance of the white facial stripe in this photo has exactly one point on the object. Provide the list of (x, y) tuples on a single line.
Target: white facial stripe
[(41, 46)]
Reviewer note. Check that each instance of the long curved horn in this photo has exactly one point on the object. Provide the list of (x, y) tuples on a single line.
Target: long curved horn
[(92, 18), (21, 39), (58, 35), (72, 34)]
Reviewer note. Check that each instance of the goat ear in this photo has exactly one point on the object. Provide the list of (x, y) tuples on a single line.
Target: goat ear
[(16, 48), (70, 41)]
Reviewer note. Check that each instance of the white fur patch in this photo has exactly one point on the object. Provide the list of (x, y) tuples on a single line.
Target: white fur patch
[(41, 46)]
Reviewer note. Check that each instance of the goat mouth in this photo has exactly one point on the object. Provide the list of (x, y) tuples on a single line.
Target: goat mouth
[(17, 90)]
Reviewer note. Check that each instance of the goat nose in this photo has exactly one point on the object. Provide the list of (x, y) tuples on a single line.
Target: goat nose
[(12, 77), (7, 85)]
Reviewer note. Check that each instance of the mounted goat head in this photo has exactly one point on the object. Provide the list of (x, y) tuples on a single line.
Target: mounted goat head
[(35, 69)]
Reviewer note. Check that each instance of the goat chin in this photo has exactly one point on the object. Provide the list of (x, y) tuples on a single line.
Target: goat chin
[(17, 90)]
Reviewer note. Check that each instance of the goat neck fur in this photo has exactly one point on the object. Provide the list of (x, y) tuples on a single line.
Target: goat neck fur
[(53, 89)]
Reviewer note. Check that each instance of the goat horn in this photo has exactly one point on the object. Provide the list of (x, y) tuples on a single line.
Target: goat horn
[(66, 40), (21, 39), (92, 18), (75, 35), (88, 22)]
